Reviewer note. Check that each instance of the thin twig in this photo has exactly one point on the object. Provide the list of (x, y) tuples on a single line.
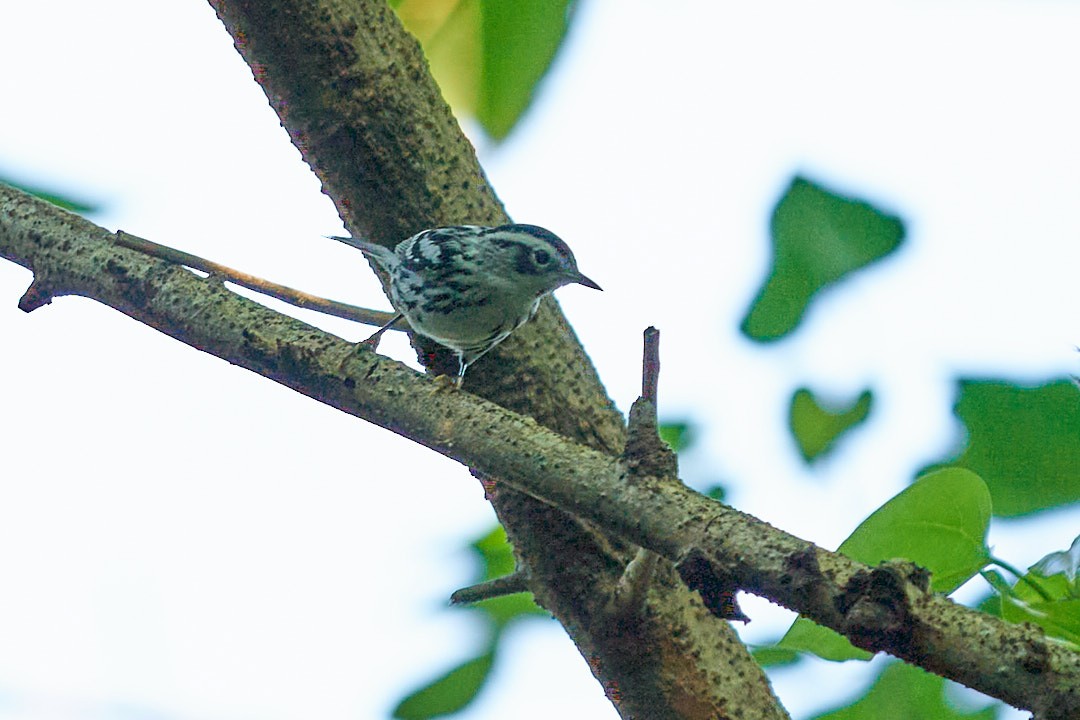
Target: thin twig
[(506, 585), (645, 453), (286, 294), (650, 365)]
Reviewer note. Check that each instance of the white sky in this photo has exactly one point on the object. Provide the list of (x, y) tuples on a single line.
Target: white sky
[(182, 539)]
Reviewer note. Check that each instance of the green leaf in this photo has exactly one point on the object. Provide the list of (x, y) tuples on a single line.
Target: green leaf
[(771, 656), (448, 693), (716, 491), (818, 237), (678, 435), (1064, 562), (1001, 587), (807, 636), (905, 692), (519, 42), (449, 31), (1058, 614), (63, 201), (1060, 619), (939, 522), (507, 608), (497, 559), (457, 688), (1024, 441), (495, 553), (817, 426), (488, 56)]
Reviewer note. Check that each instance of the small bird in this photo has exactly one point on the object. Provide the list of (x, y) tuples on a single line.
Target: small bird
[(468, 287)]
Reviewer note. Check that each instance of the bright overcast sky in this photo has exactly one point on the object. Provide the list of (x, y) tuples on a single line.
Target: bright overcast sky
[(182, 539)]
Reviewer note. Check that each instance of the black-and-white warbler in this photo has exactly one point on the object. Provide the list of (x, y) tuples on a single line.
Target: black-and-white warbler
[(469, 287)]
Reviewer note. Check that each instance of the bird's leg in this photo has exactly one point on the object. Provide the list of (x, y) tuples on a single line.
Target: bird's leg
[(462, 366), (445, 381)]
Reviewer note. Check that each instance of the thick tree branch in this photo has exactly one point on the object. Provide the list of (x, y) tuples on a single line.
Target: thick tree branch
[(884, 609), (353, 90), (677, 661)]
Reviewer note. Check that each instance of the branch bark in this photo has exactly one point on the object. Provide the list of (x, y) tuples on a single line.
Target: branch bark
[(353, 90), (354, 93), (881, 609)]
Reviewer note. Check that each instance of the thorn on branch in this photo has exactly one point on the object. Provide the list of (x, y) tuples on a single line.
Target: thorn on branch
[(506, 585), (36, 295), (628, 599)]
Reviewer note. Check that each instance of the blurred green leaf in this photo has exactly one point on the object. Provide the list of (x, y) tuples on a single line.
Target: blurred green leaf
[(449, 31), (807, 636), (1064, 562), (1060, 620), (63, 201), (939, 522), (771, 656), (716, 492), (817, 426), (507, 608), (905, 692), (457, 688), (488, 56), (448, 693), (818, 237), (1054, 606), (495, 553), (678, 435), (1023, 441), (497, 559), (520, 39), (992, 603)]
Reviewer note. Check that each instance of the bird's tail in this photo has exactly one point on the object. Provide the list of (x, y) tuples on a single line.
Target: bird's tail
[(378, 252)]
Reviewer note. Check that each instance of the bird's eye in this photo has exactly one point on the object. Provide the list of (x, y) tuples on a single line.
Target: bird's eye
[(541, 257)]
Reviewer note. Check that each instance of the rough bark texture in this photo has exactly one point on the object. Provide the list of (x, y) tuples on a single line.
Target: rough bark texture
[(353, 90), (692, 670), (354, 93)]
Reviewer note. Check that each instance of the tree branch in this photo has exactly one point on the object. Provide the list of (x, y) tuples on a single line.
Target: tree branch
[(679, 657), (881, 609), (353, 90), (506, 585)]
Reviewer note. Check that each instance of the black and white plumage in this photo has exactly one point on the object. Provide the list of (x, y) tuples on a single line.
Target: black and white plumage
[(468, 287)]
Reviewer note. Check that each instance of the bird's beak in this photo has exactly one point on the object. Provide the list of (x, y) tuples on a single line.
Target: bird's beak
[(582, 280)]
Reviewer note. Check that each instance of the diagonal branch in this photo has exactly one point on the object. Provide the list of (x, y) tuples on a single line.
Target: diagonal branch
[(353, 90), (882, 609), (678, 657)]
